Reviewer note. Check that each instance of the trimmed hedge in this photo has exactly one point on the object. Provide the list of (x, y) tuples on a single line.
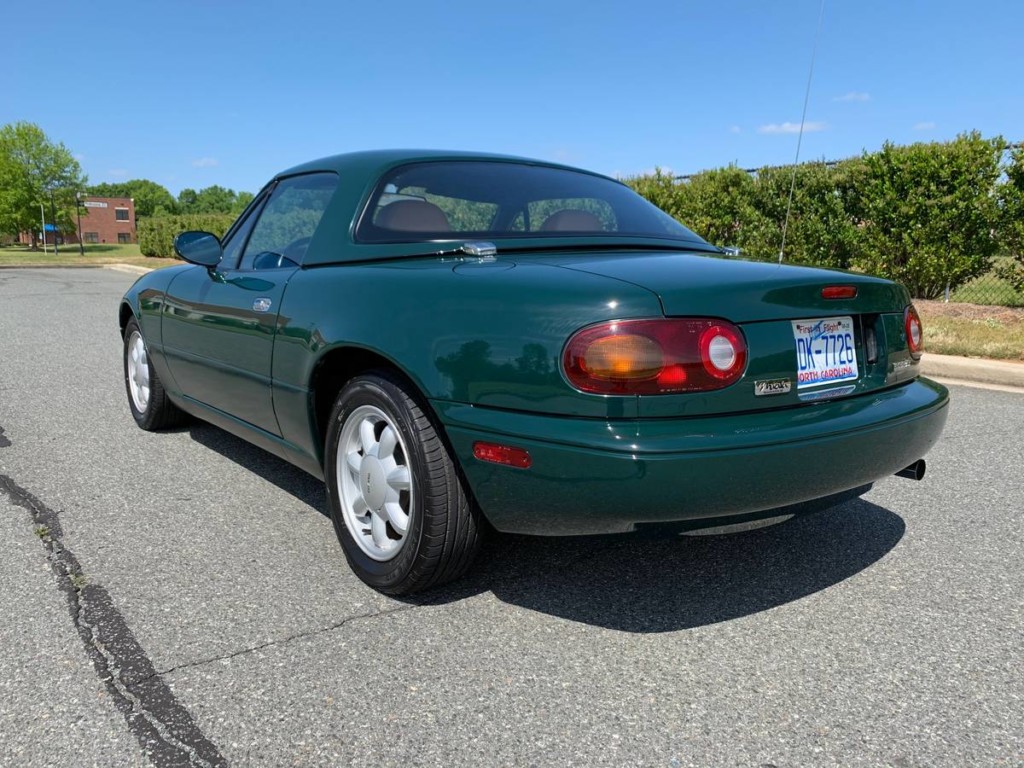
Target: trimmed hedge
[(925, 215), (157, 233)]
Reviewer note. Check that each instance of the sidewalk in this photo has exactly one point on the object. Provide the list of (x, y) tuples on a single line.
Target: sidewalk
[(971, 370)]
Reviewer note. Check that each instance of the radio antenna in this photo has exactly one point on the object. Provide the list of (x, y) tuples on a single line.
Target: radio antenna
[(800, 135)]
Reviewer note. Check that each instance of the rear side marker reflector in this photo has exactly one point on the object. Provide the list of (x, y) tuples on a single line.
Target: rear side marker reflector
[(502, 454), (839, 292)]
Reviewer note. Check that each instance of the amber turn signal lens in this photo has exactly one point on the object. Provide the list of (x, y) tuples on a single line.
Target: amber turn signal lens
[(625, 356)]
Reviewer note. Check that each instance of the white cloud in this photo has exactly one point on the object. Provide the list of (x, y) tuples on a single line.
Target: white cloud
[(854, 96), (117, 173), (775, 128), (735, 129), (205, 162), (928, 125)]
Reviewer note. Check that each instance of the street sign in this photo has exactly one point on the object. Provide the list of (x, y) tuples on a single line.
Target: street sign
[(51, 228)]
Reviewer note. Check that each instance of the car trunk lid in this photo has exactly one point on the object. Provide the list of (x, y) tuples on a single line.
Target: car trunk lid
[(775, 306), (740, 291)]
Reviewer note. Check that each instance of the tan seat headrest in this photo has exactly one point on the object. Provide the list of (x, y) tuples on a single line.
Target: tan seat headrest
[(571, 221), (412, 216)]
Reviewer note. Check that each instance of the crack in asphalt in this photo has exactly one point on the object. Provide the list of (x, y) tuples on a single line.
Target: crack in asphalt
[(162, 726), (290, 638)]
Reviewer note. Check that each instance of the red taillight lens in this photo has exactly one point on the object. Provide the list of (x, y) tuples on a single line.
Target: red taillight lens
[(502, 454), (651, 357), (915, 332)]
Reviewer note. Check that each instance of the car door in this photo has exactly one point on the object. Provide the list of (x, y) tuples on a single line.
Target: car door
[(219, 324)]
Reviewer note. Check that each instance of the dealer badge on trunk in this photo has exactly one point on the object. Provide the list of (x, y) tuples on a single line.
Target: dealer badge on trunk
[(772, 387)]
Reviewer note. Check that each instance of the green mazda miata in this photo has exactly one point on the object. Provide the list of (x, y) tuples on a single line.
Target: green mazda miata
[(454, 340)]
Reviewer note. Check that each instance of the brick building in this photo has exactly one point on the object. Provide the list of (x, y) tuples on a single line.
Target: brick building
[(107, 220), (104, 220)]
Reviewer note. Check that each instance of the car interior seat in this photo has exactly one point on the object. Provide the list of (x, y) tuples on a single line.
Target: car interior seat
[(568, 220), (412, 216)]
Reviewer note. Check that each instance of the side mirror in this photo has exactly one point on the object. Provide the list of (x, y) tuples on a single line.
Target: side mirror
[(200, 248)]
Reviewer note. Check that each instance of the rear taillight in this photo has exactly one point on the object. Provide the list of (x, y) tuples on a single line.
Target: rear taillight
[(915, 333), (652, 357)]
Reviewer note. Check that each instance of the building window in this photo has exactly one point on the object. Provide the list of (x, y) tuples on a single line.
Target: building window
[(124, 237), (121, 214), (92, 237)]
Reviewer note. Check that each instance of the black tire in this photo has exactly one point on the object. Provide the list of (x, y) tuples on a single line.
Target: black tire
[(158, 411), (444, 528)]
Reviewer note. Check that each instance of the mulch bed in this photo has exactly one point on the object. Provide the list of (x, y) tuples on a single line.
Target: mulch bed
[(1003, 315)]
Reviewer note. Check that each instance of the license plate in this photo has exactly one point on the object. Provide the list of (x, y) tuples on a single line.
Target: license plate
[(825, 353)]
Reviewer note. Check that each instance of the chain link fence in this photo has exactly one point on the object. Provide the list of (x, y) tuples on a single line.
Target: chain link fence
[(990, 288)]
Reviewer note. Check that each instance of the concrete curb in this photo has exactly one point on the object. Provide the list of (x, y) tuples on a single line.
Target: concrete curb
[(970, 370), (115, 266), (128, 268), (52, 266)]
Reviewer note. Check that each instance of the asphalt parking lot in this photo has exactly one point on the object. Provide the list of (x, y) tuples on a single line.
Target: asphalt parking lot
[(180, 599)]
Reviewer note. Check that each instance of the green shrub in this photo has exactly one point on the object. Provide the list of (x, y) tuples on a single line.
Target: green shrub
[(925, 215), (821, 232), (1011, 225), (157, 233), (929, 212)]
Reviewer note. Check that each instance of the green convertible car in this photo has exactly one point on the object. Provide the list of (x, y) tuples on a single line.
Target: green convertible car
[(453, 340)]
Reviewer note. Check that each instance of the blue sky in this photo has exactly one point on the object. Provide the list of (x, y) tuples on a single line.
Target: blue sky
[(190, 94)]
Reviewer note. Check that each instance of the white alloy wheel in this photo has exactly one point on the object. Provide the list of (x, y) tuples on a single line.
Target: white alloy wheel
[(374, 482), (138, 372)]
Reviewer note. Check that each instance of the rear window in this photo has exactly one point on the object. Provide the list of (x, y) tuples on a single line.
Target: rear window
[(491, 200)]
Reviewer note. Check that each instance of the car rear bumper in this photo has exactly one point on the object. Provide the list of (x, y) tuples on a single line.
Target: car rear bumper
[(596, 476)]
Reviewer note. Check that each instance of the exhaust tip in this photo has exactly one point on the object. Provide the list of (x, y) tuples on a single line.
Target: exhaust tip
[(915, 471)]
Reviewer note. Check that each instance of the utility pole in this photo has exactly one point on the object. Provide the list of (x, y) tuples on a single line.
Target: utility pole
[(78, 213), (42, 218), (53, 215)]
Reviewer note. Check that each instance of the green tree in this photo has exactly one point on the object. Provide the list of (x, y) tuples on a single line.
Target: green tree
[(241, 201), (1011, 229), (929, 212), (214, 199), (35, 170), (187, 200), (150, 198)]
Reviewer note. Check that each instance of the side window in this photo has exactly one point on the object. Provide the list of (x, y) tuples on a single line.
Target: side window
[(288, 221), (233, 245)]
